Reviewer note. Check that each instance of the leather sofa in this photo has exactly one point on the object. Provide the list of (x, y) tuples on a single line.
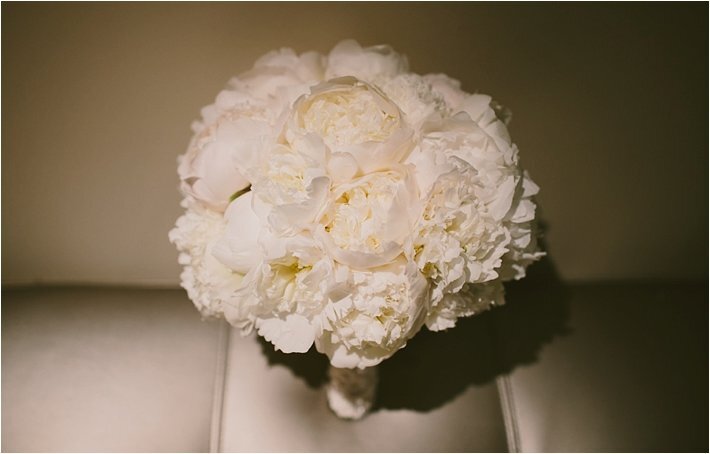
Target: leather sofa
[(583, 367)]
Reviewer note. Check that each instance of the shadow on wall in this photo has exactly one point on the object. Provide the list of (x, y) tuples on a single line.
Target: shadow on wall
[(475, 352)]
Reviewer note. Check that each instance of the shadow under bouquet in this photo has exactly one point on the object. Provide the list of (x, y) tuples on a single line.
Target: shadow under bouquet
[(344, 202)]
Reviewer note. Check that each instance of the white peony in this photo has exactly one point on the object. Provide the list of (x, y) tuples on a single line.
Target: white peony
[(519, 219), (287, 293), (208, 282), (266, 90), (494, 162), (369, 221), (373, 314), (417, 99), (469, 167), (279, 77), (242, 123), (216, 164), (372, 64), (458, 241), (354, 120), (291, 188), (238, 245)]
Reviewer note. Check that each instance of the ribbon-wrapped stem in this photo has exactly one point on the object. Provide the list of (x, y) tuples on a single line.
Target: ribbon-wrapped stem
[(351, 392)]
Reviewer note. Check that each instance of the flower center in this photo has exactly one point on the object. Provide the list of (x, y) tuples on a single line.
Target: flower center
[(349, 117), (360, 215)]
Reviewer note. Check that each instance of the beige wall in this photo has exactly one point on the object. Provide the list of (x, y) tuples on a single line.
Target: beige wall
[(609, 103)]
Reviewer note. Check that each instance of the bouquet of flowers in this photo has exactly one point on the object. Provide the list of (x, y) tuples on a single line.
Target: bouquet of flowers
[(344, 202)]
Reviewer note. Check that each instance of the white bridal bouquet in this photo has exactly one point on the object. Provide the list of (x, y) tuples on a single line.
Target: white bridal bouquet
[(344, 202)]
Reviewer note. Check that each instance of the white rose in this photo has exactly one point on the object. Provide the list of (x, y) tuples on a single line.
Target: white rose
[(209, 284), (352, 118), (373, 315), (371, 64), (369, 222)]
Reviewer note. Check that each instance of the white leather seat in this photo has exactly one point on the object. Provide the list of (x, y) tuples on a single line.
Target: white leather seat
[(581, 368), (630, 375), (105, 369)]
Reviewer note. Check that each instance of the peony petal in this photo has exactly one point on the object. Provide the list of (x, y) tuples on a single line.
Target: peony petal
[(295, 334), (245, 140), (289, 219), (342, 167), (476, 106), (348, 58), (499, 207), (238, 248)]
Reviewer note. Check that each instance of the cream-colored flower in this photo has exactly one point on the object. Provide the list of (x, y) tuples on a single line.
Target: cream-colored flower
[(457, 240), (208, 282), (217, 163), (369, 221), (292, 188), (281, 76), (373, 314), (519, 218), (238, 247), (242, 124), (371, 64), (285, 293), (478, 220), (352, 118), (415, 96), (493, 158)]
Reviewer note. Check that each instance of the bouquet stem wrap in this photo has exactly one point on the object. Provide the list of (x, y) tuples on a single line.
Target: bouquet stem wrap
[(351, 392)]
